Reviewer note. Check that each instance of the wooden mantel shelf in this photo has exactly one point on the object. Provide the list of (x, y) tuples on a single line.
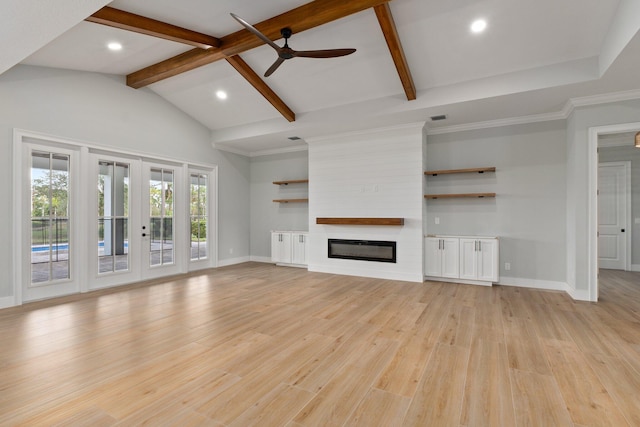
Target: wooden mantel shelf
[(291, 200), (291, 181), (457, 196), (360, 221), (470, 170)]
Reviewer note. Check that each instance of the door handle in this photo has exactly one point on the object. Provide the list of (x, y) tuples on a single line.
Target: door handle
[(622, 230), (144, 234)]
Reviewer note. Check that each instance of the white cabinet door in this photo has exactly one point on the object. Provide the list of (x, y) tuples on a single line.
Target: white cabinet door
[(479, 259), (468, 259), (432, 256), (299, 251), (488, 260), (281, 247), (450, 257)]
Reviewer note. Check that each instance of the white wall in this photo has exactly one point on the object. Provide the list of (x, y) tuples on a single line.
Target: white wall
[(529, 211), (101, 109), (267, 215), (375, 173)]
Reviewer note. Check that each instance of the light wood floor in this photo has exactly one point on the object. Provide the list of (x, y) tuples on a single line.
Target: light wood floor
[(261, 345)]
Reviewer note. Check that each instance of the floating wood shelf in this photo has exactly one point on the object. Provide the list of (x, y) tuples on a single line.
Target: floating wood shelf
[(459, 196), (470, 170), (291, 181), (291, 200), (360, 221)]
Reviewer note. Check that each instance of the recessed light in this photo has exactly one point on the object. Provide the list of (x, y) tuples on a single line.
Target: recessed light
[(114, 46), (478, 26), (221, 94)]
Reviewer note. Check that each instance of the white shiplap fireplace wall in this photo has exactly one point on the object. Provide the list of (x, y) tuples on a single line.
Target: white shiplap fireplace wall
[(372, 173)]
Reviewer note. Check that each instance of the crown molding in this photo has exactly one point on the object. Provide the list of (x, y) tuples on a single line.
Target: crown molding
[(546, 117), (563, 114)]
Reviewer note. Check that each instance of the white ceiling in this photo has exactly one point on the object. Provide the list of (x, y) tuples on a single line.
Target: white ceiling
[(533, 57)]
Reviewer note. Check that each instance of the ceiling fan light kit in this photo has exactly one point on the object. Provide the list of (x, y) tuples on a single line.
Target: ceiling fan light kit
[(285, 52)]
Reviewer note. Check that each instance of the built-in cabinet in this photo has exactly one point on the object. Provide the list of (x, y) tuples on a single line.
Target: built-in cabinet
[(441, 257), (479, 259), (463, 259), (289, 248)]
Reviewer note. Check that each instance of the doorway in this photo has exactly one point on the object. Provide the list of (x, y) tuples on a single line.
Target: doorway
[(595, 135)]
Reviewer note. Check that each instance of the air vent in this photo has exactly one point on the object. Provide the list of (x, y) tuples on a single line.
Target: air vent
[(440, 117), (294, 138)]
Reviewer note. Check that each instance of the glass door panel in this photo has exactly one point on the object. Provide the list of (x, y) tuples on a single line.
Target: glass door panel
[(113, 217), (199, 216), (50, 244), (161, 188)]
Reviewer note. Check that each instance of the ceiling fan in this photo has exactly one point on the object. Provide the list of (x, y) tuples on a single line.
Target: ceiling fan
[(285, 52)]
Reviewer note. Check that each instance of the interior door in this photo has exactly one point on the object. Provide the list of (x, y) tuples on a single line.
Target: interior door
[(163, 228), (612, 215)]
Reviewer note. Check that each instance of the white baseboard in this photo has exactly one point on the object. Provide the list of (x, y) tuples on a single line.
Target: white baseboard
[(264, 259), (233, 261), (6, 302), (547, 285), (578, 295), (461, 281), (635, 267), (375, 274)]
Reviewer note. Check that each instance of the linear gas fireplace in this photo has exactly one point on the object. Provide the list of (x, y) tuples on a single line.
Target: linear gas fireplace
[(364, 250)]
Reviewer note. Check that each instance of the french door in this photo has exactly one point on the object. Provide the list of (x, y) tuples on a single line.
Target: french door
[(136, 220), (49, 222), (91, 219), (163, 223)]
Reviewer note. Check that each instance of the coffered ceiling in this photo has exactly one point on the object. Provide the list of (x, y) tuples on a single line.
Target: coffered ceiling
[(532, 58)]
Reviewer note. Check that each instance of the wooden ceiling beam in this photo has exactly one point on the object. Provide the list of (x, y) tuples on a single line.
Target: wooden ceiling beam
[(388, 26), (310, 15), (143, 25), (255, 81)]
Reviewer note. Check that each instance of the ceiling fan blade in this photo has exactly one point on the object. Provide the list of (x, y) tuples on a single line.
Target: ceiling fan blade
[(273, 67), (327, 53), (255, 31)]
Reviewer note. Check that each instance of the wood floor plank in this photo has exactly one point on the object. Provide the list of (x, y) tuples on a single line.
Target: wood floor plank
[(276, 408), (379, 408), (487, 395), (586, 398), (403, 373), (621, 382), (334, 404), (538, 400), (438, 399), (524, 348)]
